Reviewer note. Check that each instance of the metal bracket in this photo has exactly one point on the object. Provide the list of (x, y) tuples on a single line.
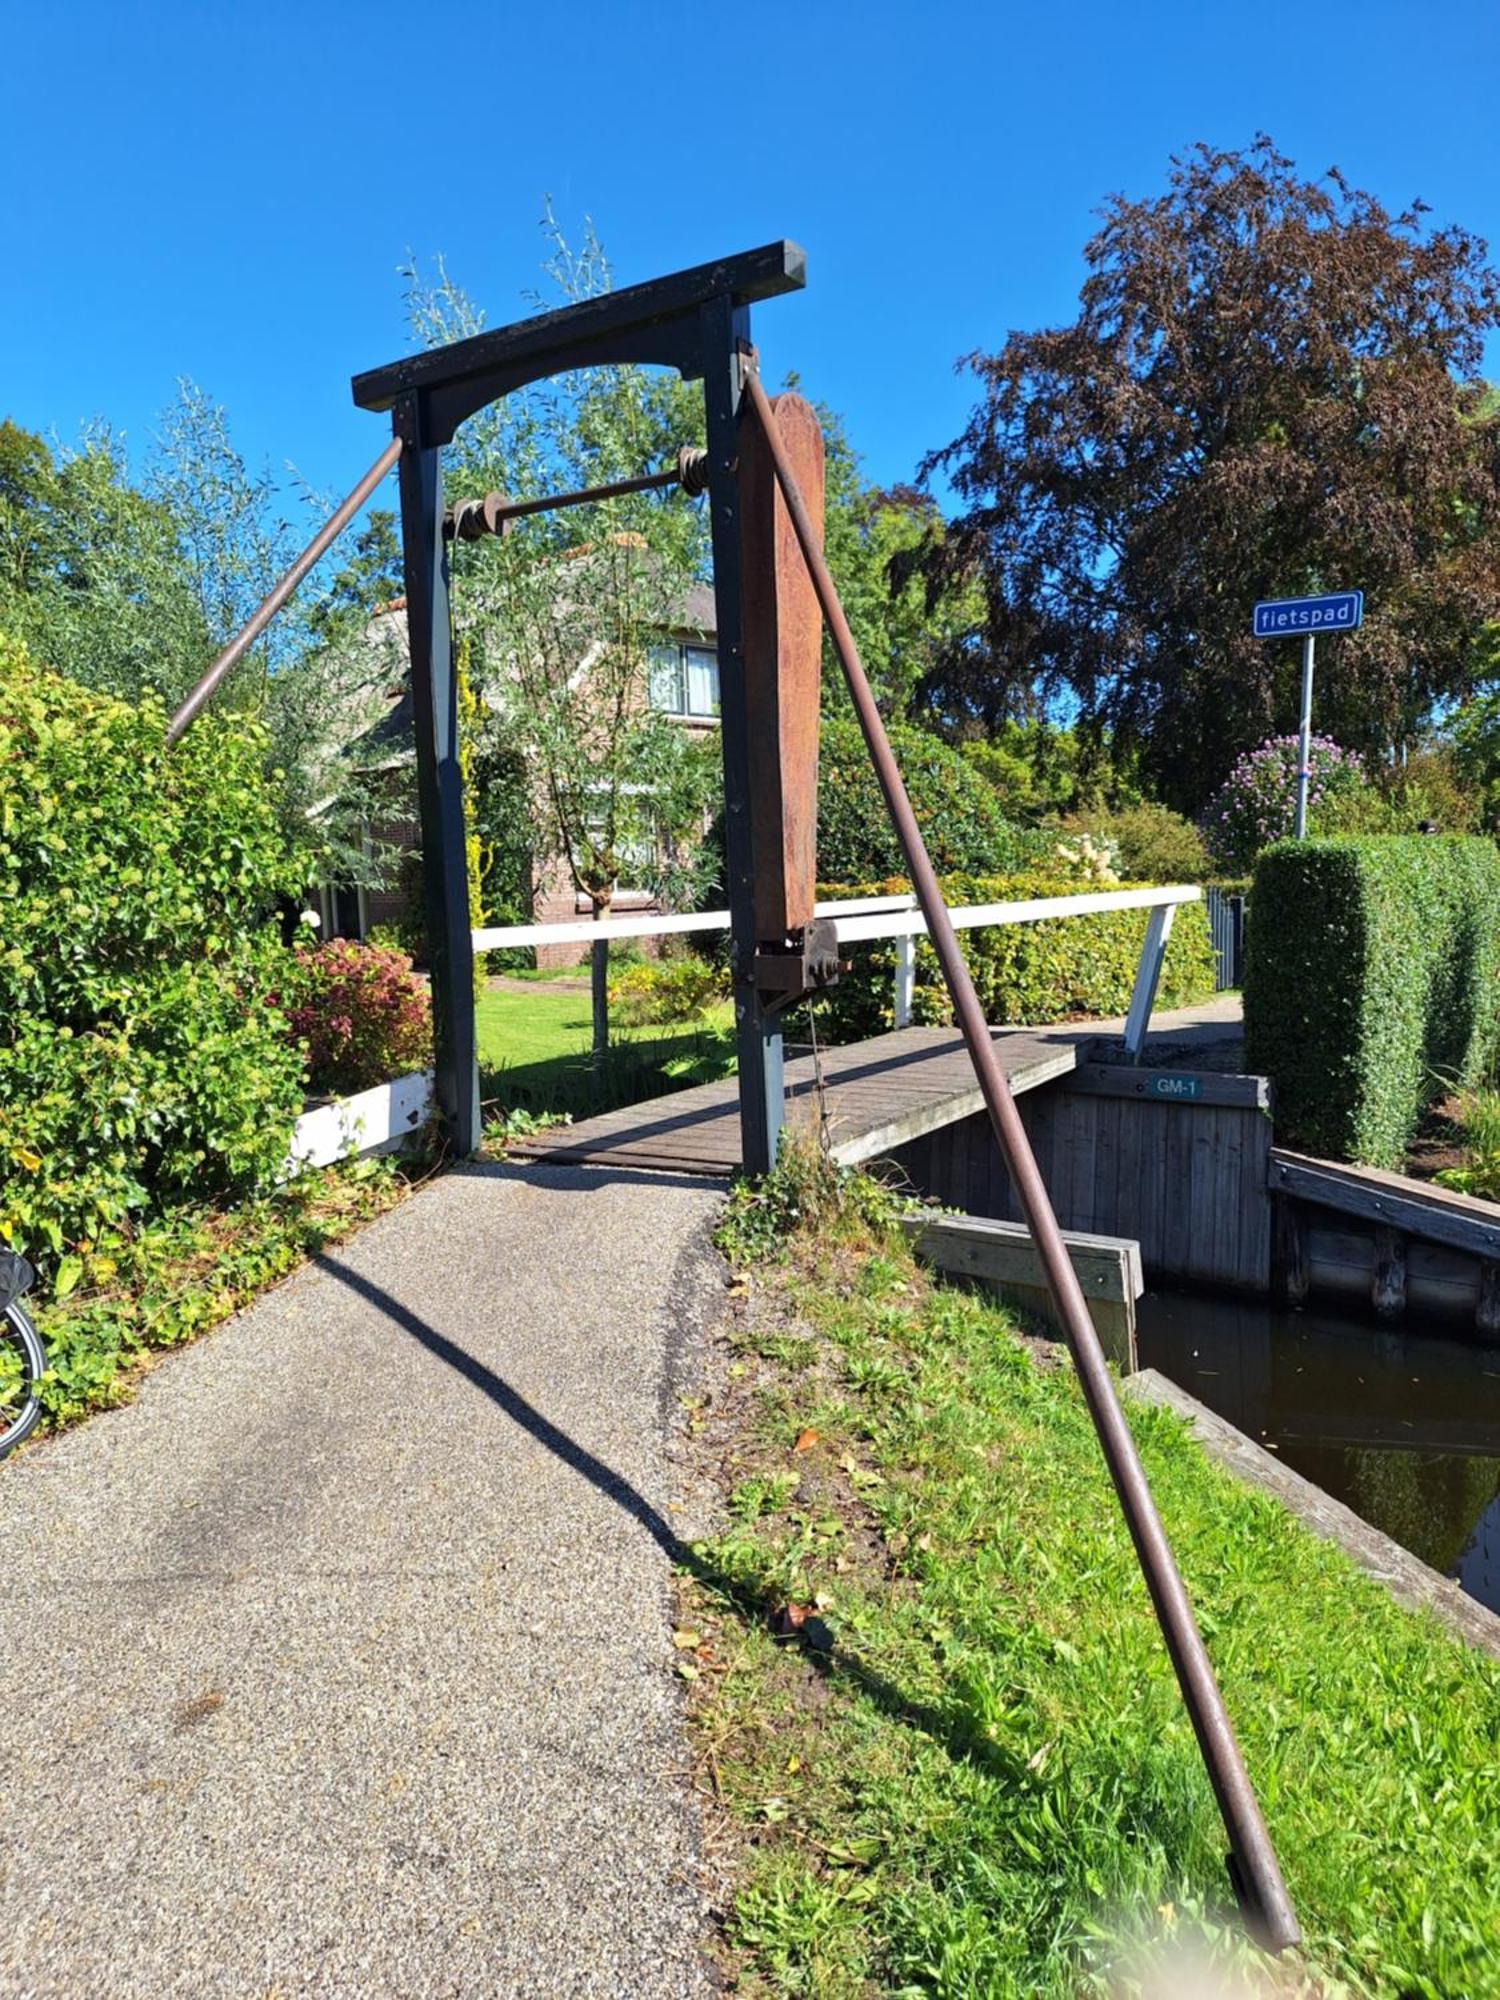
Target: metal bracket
[(807, 963)]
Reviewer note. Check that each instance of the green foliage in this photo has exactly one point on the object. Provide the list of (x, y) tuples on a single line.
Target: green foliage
[(958, 813), (655, 993), (805, 1195), (142, 1057), (176, 1276), (1059, 969), (130, 585), (1370, 984), (977, 1776), (361, 1014), (1153, 843), (1479, 1116)]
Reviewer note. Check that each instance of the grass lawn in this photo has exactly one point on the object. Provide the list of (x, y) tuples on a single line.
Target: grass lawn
[(534, 1053), (934, 1709)]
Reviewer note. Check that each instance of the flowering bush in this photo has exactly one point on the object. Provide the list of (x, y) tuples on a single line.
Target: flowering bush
[(1091, 857), (363, 1014), (1257, 803)]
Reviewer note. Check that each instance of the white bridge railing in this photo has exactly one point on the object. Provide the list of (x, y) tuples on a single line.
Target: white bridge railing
[(862, 919)]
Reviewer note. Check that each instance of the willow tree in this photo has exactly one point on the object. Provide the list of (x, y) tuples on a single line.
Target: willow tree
[(1271, 388)]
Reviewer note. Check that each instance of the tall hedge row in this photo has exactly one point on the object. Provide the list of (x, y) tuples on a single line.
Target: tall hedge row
[(142, 1054), (1063, 968), (1371, 984)]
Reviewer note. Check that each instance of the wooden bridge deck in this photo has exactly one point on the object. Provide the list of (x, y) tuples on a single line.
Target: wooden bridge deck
[(880, 1094)]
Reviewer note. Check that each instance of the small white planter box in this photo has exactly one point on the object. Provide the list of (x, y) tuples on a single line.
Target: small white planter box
[(380, 1120)]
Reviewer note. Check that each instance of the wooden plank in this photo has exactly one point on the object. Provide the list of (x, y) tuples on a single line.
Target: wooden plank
[(1002, 1255), (1458, 1220), (1171, 1086), (1174, 1229)]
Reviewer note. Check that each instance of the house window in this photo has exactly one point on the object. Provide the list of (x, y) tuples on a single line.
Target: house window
[(685, 681)]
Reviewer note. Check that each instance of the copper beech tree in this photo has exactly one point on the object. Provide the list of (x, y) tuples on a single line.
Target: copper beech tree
[(1272, 388)]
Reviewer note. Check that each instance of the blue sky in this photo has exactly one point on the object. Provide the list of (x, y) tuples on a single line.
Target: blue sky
[(226, 193)]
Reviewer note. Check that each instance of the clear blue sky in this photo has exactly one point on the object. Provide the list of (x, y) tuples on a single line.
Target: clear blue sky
[(226, 192)]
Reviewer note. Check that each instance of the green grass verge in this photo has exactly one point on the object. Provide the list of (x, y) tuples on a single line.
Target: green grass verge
[(534, 1054), (185, 1272), (967, 1770)]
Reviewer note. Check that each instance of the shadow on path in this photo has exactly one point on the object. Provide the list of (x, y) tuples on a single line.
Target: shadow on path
[(954, 1726)]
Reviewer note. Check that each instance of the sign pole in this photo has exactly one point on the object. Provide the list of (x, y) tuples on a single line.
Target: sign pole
[(1304, 751)]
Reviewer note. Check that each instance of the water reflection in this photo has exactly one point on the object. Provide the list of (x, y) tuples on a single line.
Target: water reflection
[(1404, 1427)]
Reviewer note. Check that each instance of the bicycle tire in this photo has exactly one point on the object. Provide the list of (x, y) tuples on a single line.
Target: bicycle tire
[(17, 1333)]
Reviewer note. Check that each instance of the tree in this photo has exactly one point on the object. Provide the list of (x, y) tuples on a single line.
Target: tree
[(1270, 389), (877, 540), (561, 613), (131, 589)]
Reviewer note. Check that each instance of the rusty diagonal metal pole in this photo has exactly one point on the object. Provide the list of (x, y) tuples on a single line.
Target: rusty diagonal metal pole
[(1252, 1860), (261, 617)]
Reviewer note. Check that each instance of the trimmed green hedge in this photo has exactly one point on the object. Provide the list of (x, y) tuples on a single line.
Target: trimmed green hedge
[(1370, 984), (1064, 968)]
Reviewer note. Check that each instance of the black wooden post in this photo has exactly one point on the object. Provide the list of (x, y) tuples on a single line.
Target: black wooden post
[(726, 337), (445, 875)]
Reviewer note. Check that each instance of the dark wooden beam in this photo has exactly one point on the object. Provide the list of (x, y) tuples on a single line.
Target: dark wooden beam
[(558, 340)]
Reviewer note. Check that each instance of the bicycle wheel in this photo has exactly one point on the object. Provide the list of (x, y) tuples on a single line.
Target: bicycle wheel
[(23, 1361)]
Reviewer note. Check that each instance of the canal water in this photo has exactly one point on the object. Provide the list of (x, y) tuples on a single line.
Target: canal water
[(1404, 1427)]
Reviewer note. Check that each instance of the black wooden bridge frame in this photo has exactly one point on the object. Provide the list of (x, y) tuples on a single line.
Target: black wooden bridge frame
[(697, 322)]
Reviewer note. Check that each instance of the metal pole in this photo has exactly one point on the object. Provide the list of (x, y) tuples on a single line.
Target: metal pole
[(321, 542), (1252, 1862), (1304, 749)]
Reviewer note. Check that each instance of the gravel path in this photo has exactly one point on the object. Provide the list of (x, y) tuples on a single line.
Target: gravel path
[(339, 1662)]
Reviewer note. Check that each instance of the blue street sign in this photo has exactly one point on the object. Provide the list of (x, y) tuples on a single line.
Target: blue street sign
[(1288, 617)]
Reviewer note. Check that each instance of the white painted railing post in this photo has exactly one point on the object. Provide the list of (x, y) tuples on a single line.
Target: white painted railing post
[(1147, 974), (906, 978)]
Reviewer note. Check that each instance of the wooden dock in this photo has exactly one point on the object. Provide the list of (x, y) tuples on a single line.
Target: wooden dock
[(880, 1094)]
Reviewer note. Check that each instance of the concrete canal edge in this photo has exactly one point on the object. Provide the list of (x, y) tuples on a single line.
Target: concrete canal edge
[(1411, 1582)]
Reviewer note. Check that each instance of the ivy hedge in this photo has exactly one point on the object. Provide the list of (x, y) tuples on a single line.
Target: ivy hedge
[(1370, 984), (1063, 968), (142, 1060)]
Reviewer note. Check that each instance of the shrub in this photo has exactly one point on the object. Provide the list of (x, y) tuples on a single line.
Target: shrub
[(1370, 984), (1059, 969), (1153, 843), (958, 812), (1257, 803), (362, 1013), (656, 994), (142, 1056)]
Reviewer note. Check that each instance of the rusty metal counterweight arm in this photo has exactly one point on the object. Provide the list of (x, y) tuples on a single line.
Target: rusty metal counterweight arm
[(264, 612), (1253, 1867)]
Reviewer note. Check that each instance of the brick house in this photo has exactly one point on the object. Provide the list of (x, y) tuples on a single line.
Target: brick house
[(683, 683)]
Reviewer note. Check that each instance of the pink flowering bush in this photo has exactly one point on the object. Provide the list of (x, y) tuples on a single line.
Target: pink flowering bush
[(1257, 803), (363, 1014)]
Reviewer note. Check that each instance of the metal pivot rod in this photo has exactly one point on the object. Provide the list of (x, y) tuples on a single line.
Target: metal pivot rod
[(469, 519), (316, 549), (1253, 1867)]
